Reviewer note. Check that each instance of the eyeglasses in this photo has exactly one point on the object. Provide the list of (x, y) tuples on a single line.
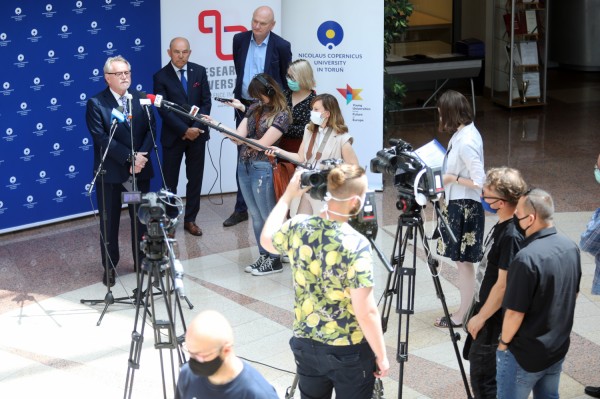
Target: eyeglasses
[(529, 200), (494, 198), (120, 74), (290, 77)]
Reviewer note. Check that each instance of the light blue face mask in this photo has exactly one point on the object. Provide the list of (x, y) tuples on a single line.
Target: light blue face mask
[(597, 174), (293, 85)]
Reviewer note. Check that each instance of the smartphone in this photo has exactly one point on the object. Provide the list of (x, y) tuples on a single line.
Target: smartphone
[(224, 100)]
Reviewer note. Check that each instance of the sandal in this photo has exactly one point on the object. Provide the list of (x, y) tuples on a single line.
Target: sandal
[(443, 323)]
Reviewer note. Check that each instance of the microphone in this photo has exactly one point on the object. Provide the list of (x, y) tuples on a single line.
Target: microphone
[(178, 277), (116, 115), (129, 97), (144, 100)]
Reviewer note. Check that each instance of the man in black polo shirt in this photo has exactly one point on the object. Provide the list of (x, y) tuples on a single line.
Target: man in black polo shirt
[(501, 192), (542, 287)]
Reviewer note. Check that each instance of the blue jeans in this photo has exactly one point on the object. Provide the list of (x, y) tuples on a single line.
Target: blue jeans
[(322, 368), (515, 383), (256, 184)]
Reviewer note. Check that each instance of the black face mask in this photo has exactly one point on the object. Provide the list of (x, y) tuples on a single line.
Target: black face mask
[(205, 369), (516, 221)]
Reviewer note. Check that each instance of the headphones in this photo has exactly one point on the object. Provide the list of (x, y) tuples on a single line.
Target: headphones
[(420, 198), (264, 82)]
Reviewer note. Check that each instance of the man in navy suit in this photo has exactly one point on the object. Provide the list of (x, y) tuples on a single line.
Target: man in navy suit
[(257, 51), (183, 82), (124, 159)]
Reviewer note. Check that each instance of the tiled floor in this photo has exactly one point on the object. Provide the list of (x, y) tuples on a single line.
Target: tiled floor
[(50, 345)]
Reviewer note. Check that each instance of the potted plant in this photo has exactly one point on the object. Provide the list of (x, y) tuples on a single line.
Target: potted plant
[(396, 14)]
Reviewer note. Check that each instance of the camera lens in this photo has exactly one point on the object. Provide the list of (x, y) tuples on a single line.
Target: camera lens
[(316, 179), (311, 178)]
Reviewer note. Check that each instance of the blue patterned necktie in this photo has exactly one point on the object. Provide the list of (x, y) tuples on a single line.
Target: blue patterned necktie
[(125, 110), (183, 80)]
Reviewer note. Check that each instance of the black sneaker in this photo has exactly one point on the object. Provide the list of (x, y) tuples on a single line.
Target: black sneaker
[(257, 263), (269, 266)]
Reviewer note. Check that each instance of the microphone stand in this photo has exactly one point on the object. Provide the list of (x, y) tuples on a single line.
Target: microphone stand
[(108, 298), (162, 175), (233, 135)]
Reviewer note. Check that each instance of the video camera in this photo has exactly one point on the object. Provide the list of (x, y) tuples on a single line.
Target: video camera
[(152, 210), (415, 181), (316, 179)]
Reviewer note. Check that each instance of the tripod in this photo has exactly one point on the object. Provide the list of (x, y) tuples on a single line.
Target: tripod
[(164, 272), (402, 284)]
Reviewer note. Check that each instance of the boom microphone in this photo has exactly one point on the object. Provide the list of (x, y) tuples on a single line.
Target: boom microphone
[(158, 101)]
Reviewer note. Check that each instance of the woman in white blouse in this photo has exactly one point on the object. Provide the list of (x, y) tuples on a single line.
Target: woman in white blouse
[(464, 176)]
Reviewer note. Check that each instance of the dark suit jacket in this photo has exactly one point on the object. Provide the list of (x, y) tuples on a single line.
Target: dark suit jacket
[(168, 84), (98, 119), (277, 60)]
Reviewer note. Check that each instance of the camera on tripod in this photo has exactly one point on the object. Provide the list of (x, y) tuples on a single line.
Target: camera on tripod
[(152, 211), (416, 182), (316, 179)]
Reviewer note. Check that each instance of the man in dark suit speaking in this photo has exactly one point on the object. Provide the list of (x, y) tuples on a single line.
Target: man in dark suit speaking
[(183, 82), (257, 51), (119, 165)]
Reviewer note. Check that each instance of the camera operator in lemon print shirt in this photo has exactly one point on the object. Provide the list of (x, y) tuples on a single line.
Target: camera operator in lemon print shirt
[(338, 341)]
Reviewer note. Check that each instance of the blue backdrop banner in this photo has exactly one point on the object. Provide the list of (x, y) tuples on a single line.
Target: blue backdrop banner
[(51, 57)]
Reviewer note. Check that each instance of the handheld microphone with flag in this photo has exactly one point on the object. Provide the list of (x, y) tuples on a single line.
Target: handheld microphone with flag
[(116, 115), (144, 100)]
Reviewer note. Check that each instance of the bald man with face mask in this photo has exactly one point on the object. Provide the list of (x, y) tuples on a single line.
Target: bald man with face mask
[(213, 370)]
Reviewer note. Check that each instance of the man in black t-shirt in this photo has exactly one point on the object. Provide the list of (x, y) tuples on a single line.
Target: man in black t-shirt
[(501, 192), (539, 303)]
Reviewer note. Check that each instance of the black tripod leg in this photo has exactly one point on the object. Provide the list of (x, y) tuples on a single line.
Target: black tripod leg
[(137, 338), (405, 301), (454, 336)]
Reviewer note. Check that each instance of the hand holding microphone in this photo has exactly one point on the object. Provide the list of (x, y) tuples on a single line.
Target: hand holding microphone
[(232, 102)]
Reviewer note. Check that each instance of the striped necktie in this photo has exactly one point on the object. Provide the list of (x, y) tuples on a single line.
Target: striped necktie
[(125, 110)]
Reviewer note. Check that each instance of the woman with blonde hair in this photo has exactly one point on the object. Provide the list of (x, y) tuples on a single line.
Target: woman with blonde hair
[(299, 95)]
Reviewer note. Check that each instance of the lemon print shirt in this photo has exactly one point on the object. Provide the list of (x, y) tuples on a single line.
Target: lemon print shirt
[(328, 260)]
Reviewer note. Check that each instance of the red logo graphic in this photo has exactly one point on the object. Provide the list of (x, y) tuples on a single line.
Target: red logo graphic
[(218, 30)]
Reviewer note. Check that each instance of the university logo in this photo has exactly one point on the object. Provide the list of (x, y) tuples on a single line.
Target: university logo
[(330, 34), (350, 94), (218, 31)]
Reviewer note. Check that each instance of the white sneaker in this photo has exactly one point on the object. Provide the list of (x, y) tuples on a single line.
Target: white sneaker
[(261, 259), (285, 258)]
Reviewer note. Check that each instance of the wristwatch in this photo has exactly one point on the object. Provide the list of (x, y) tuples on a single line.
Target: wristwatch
[(502, 342)]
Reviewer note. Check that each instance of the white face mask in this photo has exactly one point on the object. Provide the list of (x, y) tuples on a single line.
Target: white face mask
[(316, 118), (328, 197)]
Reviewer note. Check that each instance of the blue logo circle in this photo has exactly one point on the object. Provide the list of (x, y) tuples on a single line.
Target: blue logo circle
[(330, 34)]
